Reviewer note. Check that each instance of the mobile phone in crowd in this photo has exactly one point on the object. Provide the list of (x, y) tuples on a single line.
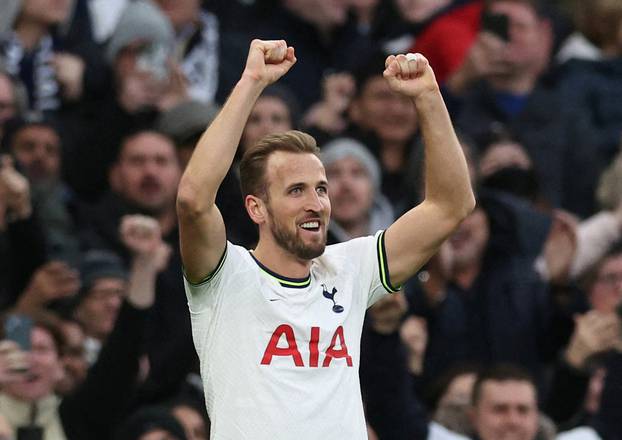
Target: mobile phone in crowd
[(497, 24), (17, 328), (30, 433)]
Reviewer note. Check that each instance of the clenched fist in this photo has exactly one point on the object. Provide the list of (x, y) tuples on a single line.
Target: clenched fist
[(410, 75), (142, 237), (268, 60)]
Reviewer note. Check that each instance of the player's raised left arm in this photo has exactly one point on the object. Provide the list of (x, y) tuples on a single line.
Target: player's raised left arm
[(417, 235)]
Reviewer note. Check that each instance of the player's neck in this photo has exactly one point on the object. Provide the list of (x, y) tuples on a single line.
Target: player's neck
[(280, 261)]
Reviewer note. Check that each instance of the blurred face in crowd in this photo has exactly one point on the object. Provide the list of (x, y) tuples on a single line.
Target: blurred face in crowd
[(180, 12), (99, 309), (44, 370), (469, 241), (147, 172), (73, 358), (37, 149), (46, 12), (387, 114), (158, 434), (351, 191), (192, 421), (270, 115), (7, 100), (606, 292), (297, 207), (453, 406), (415, 11), (506, 410), (322, 13), (531, 36)]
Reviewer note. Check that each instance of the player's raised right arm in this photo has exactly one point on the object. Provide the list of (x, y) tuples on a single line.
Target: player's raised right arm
[(202, 232)]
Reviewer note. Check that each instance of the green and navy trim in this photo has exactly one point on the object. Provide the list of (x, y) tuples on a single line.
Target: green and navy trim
[(384, 265), (208, 278), (295, 283)]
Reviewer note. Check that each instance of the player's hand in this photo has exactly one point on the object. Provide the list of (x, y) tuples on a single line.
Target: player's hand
[(268, 60), (410, 75), (141, 235)]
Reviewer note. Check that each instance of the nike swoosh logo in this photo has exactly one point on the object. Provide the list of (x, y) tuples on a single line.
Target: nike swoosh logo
[(274, 299)]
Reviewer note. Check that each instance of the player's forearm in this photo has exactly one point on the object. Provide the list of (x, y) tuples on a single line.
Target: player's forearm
[(216, 149), (447, 182)]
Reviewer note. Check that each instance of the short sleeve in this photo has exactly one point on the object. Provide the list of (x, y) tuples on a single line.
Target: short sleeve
[(200, 295), (369, 256)]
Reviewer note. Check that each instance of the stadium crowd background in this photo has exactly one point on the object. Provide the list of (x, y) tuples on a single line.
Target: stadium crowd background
[(102, 101)]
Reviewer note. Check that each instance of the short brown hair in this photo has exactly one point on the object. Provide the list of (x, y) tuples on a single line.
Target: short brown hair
[(500, 373), (253, 164)]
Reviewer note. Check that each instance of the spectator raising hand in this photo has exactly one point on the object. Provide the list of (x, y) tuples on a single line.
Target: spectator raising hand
[(13, 365), (143, 238), (14, 193), (595, 332), (52, 281), (329, 114), (69, 70)]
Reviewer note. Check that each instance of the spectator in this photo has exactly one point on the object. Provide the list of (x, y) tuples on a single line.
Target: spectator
[(317, 30), (12, 100), (32, 53), (359, 208), (144, 180), (387, 125), (466, 292), (35, 143), (198, 46), (151, 423), (598, 32), (505, 404), (22, 242), (146, 82), (73, 357), (104, 286), (508, 85)]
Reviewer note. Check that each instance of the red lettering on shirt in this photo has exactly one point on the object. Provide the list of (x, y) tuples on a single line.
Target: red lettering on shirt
[(291, 350), (314, 353), (342, 352)]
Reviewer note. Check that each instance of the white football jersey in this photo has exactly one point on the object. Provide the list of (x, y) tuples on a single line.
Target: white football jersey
[(280, 356)]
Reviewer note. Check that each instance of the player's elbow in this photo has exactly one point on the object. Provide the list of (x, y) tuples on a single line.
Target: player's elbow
[(468, 206), (188, 204)]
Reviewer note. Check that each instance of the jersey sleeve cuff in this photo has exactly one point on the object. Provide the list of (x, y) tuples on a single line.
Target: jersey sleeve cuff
[(383, 265), (209, 277)]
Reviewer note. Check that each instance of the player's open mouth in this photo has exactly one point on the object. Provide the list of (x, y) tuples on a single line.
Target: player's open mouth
[(313, 225)]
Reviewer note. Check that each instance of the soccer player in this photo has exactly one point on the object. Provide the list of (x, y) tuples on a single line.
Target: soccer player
[(278, 329)]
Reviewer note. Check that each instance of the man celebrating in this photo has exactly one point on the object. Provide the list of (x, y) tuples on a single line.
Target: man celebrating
[(278, 329)]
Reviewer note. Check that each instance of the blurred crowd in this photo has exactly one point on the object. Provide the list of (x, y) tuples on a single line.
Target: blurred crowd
[(513, 331)]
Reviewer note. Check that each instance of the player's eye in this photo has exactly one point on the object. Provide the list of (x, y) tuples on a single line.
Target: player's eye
[(295, 190), (322, 189)]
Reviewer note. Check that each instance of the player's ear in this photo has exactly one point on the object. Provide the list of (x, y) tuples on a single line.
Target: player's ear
[(256, 209)]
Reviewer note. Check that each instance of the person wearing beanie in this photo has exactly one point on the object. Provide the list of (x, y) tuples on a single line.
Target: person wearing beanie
[(104, 287), (184, 124), (145, 83), (358, 206)]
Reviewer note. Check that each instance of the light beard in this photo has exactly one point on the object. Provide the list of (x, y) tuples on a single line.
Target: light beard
[(293, 244)]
